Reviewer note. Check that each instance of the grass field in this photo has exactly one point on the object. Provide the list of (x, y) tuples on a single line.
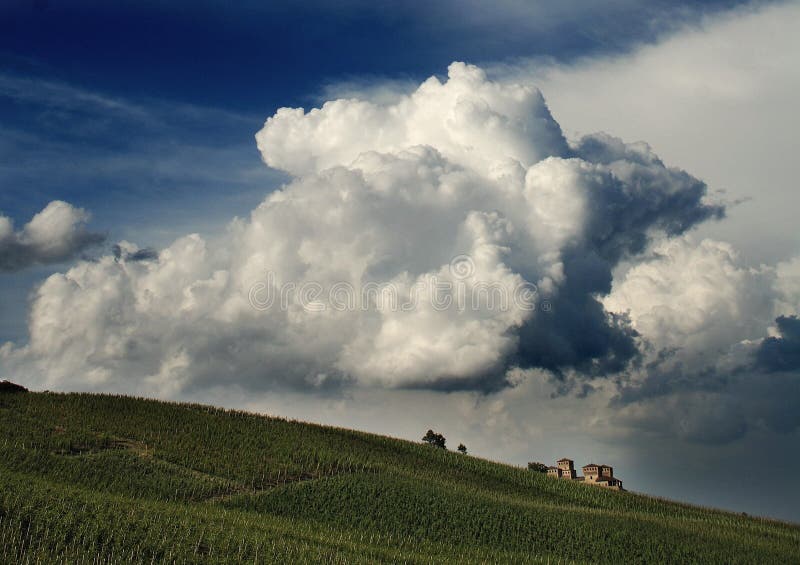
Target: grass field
[(90, 478)]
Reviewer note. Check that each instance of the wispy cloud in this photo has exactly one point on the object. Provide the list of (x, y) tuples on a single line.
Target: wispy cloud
[(44, 93), (52, 94), (115, 155)]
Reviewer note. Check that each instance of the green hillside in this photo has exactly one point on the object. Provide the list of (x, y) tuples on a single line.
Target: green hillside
[(124, 479)]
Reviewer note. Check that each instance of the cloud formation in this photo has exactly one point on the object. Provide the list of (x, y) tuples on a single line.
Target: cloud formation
[(384, 194), (711, 102), (702, 308), (711, 374), (56, 234), (781, 353)]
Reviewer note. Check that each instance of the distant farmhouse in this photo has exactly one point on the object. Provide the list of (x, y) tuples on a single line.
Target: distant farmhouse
[(593, 474)]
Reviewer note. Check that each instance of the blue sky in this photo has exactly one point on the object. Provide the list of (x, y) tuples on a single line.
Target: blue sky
[(144, 114), (283, 51)]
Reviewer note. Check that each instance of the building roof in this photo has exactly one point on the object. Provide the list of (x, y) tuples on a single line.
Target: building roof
[(564, 459), (593, 465), (552, 468)]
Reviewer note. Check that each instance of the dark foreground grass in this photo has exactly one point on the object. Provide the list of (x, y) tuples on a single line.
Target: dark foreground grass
[(88, 478)]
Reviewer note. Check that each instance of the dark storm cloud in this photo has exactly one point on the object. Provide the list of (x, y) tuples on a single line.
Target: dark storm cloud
[(636, 197), (577, 333), (146, 254), (712, 404), (781, 353)]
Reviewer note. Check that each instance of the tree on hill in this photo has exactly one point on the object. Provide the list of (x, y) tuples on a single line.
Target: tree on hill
[(8, 386), (434, 439), (537, 467), (462, 448)]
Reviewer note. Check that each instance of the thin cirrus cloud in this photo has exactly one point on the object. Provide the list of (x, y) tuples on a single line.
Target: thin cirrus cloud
[(56, 234)]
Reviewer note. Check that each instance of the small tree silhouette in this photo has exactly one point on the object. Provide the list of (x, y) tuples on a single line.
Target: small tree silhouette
[(8, 386), (434, 439), (537, 467), (462, 448)]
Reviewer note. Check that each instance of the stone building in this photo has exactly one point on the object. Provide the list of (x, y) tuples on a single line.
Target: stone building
[(593, 474), (565, 469), (601, 475)]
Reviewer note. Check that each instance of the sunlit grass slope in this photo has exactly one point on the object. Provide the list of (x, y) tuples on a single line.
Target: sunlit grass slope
[(87, 478)]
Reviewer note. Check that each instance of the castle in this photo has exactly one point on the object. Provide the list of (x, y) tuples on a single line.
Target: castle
[(593, 474)]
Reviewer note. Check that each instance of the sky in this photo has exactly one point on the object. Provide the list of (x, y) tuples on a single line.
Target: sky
[(580, 218)]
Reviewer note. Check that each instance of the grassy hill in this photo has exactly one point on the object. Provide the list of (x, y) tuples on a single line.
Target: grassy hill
[(124, 479)]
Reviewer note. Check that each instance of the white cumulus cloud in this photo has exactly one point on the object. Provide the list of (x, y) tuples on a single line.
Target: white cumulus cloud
[(384, 194), (696, 296), (55, 234)]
